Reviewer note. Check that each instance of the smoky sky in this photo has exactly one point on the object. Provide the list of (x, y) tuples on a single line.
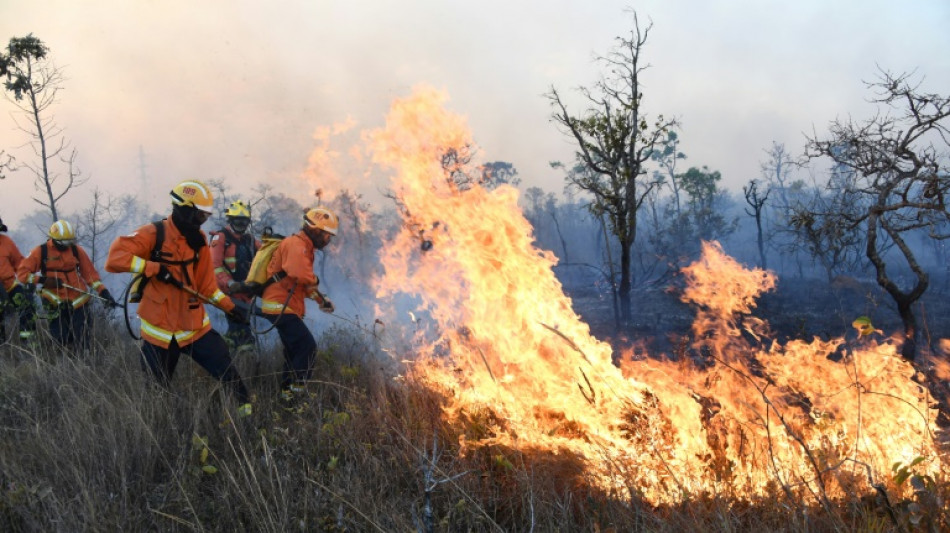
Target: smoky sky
[(237, 90)]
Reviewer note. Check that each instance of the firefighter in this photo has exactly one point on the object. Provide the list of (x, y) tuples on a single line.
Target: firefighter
[(232, 250), (13, 294), (68, 282), (173, 259), (293, 280)]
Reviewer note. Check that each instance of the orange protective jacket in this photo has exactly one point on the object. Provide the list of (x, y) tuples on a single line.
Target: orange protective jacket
[(294, 256), (10, 258), (166, 311), (67, 267), (224, 256)]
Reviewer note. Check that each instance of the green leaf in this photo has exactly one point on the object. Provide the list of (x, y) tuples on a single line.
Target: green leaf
[(197, 441), (901, 477), (503, 462), (863, 325), (209, 469)]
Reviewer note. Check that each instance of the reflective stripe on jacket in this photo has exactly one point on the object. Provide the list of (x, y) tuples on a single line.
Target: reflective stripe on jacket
[(10, 258), (224, 256), (168, 312), (67, 268), (294, 256)]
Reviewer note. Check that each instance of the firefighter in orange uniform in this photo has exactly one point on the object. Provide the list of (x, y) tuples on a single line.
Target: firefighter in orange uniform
[(13, 294), (69, 281), (292, 280), (178, 279), (232, 250)]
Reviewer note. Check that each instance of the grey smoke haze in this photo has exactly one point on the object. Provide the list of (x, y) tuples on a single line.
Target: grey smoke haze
[(237, 89)]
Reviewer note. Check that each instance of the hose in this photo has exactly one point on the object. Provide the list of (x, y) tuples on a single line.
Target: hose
[(125, 307), (276, 320)]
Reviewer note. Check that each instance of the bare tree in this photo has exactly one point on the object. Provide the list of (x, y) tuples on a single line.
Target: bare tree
[(6, 163), (786, 193), (534, 202), (756, 199), (222, 200), (276, 210), (777, 170), (614, 140), (97, 220), (551, 208), (816, 225), (899, 159), (355, 258), (34, 83)]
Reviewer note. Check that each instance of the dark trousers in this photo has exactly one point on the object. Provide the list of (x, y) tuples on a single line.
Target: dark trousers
[(21, 302), (68, 325), (239, 332), (210, 351), (300, 349)]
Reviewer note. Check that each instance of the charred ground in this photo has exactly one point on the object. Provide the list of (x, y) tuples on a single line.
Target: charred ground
[(798, 308)]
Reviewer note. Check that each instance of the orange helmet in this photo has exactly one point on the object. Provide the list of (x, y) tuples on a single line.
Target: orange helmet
[(322, 218), (193, 193)]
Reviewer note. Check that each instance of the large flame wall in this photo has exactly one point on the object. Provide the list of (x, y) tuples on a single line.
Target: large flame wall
[(756, 416)]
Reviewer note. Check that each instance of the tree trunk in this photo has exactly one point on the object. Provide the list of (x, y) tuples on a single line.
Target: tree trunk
[(760, 239), (613, 279), (904, 300), (909, 320), (625, 286), (560, 237), (43, 156)]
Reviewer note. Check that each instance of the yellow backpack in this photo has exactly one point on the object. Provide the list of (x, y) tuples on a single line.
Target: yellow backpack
[(257, 278)]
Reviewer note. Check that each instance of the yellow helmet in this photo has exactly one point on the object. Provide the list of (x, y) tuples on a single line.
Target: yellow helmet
[(322, 218), (62, 232), (238, 209), (193, 193)]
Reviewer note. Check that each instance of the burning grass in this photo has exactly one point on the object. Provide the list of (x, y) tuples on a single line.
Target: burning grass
[(88, 445)]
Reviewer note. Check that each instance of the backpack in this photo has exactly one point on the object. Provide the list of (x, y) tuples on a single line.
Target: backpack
[(44, 253), (139, 283), (245, 248), (257, 279)]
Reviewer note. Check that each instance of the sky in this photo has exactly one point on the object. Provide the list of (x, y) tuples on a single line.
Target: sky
[(246, 91)]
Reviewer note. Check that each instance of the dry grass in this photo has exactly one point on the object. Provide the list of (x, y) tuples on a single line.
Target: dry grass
[(87, 444)]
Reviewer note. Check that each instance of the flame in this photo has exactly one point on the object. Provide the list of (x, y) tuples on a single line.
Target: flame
[(744, 415), (321, 171)]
